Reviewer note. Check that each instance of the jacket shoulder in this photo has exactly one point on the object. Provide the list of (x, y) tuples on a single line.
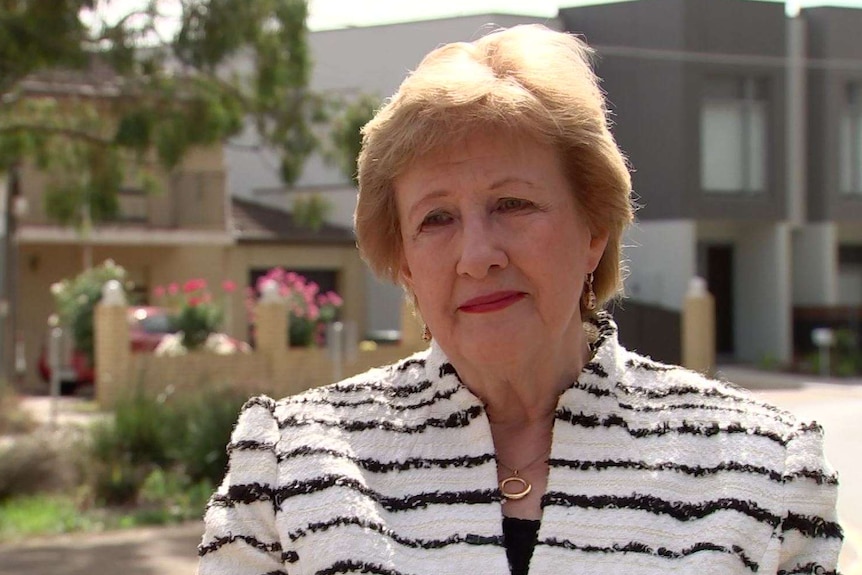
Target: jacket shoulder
[(651, 384)]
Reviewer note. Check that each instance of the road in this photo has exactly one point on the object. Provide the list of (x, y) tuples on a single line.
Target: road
[(172, 551), (838, 408)]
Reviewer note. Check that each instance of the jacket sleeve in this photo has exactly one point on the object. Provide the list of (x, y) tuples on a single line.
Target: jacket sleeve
[(809, 536), (240, 535)]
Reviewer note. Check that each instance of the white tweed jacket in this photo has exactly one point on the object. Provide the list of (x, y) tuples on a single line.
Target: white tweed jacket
[(653, 469)]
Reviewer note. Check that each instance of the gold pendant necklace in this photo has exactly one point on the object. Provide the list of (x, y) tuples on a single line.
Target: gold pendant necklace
[(525, 486)]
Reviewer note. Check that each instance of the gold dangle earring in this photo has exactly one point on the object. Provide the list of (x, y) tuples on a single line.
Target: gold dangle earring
[(588, 298), (426, 333)]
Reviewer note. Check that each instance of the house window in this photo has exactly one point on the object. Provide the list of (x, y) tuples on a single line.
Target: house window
[(733, 129), (851, 140), (133, 205)]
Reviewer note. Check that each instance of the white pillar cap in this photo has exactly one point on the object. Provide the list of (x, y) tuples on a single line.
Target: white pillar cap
[(113, 294)]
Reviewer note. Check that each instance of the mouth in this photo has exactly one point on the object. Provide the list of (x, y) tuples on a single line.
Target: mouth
[(491, 302)]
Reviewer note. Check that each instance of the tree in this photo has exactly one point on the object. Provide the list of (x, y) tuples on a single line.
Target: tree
[(87, 103), (345, 137)]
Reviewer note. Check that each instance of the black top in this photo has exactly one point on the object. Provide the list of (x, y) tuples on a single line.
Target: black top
[(519, 536)]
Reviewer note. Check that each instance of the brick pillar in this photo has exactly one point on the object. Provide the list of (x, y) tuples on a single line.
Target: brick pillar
[(411, 325), (698, 328), (270, 325), (270, 321), (111, 342)]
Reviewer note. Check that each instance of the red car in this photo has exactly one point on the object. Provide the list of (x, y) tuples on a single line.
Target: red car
[(147, 326)]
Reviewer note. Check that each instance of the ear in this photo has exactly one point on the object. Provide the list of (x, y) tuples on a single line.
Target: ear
[(598, 243)]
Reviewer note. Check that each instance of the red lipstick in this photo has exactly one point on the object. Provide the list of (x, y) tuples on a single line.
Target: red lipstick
[(491, 302)]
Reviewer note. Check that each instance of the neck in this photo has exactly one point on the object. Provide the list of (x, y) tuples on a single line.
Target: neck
[(525, 389)]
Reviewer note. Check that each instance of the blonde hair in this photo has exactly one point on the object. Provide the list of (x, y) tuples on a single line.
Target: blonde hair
[(528, 80)]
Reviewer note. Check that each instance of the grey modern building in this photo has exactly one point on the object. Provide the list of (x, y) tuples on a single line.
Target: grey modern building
[(744, 128)]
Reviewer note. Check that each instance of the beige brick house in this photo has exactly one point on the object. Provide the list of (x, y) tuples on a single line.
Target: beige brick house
[(191, 229)]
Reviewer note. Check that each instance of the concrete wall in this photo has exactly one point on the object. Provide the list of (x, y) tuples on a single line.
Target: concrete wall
[(661, 257), (834, 46), (815, 265), (656, 59), (850, 273), (762, 294)]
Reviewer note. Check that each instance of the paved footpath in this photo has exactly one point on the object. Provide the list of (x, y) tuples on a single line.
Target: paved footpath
[(151, 551)]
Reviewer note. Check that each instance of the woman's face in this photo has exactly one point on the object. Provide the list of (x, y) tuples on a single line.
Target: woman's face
[(494, 248)]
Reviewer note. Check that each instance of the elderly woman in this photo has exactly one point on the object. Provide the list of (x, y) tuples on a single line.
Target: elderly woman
[(525, 437)]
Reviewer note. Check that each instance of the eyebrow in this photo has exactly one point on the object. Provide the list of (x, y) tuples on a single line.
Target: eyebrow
[(494, 186), (430, 196)]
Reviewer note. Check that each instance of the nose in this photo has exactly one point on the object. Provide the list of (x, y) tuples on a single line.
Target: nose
[(481, 249)]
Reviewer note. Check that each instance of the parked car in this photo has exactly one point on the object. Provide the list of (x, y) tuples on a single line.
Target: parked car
[(147, 326)]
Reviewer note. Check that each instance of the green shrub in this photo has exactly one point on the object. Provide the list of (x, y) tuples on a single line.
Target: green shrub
[(179, 434), (170, 496), (845, 357), (202, 424), (138, 432), (127, 448), (76, 299)]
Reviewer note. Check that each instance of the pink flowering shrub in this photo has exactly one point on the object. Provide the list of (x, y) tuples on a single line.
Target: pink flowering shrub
[(308, 310), (195, 313)]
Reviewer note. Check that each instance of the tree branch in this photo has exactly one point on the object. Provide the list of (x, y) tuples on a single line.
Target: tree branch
[(66, 132)]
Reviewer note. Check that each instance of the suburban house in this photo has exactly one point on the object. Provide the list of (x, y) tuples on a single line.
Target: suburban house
[(192, 229), (743, 126)]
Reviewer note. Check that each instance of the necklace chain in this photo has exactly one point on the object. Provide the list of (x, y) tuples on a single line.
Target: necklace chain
[(526, 486)]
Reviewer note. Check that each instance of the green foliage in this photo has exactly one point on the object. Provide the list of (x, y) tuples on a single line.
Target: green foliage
[(311, 210), (155, 462), (845, 357), (76, 300), (35, 34), (203, 423), (172, 436), (170, 496), (345, 136), (196, 314), (137, 434), (197, 322), (41, 514), (126, 449), (848, 354), (91, 195), (231, 62)]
